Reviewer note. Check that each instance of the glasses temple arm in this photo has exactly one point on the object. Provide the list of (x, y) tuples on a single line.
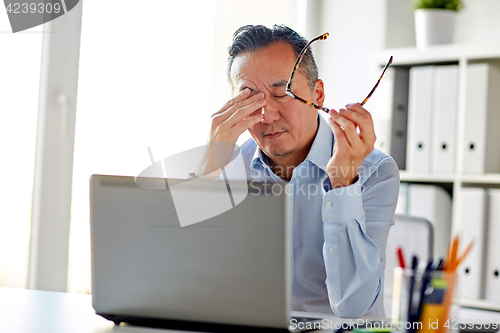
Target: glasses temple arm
[(376, 84)]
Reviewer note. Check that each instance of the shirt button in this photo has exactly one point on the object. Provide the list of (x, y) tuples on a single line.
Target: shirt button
[(329, 204), (331, 249)]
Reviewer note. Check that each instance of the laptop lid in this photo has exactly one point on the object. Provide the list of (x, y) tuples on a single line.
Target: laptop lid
[(233, 268)]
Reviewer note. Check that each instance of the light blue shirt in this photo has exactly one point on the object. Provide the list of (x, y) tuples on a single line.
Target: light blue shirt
[(339, 235)]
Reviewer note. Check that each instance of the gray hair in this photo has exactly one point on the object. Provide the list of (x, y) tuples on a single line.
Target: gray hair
[(251, 38)]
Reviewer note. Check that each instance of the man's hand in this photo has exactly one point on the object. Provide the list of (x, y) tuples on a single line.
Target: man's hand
[(234, 117), (354, 139), (228, 124)]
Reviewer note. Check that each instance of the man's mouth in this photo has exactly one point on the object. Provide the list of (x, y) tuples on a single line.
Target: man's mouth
[(274, 135)]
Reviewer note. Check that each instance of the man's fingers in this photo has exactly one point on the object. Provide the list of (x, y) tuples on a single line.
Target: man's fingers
[(338, 133), (233, 126), (238, 98), (237, 110), (247, 123), (349, 129), (363, 119), (244, 111), (357, 114), (237, 103), (241, 110)]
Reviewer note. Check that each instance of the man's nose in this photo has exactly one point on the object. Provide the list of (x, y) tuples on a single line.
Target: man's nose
[(270, 111)]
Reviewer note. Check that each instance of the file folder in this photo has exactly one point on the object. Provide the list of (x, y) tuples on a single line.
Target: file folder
[(482, 116), (445, 95), (472, 221), (400, 117), (390, 114), (434, 204), (419, 119), (492, 285)]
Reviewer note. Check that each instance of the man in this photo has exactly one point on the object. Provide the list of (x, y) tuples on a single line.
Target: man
[(345, 192)]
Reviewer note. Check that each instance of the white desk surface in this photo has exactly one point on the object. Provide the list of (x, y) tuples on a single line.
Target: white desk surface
[(35, 311)]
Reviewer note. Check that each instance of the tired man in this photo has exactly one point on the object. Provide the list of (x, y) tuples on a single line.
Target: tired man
[(346, 191)]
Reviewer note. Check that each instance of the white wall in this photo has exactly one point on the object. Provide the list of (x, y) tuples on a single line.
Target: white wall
[(477, 23), (357, 28)]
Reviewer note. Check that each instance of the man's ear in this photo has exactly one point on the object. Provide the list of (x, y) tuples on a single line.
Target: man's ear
[(319, 91)]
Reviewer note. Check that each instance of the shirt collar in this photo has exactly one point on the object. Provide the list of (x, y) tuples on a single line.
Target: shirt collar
[(259, 158), (322, 147), (319, 154)]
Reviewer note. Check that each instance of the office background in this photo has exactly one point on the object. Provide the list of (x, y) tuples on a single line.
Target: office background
[(149, 74)]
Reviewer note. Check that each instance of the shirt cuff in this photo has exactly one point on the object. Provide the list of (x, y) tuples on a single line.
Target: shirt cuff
[(343, 204)]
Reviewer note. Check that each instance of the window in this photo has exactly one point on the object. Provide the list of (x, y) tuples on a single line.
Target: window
[(20, 61), (150, 76)]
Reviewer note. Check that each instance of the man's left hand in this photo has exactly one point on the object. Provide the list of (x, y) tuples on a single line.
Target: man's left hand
[(354, 139)]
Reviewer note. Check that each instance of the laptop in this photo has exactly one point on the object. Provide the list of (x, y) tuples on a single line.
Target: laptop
[(230, 268)]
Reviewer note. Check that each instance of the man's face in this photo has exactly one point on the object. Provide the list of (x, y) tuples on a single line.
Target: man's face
[(289, 126)]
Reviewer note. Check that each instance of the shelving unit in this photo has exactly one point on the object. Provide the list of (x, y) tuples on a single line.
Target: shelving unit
[(427, 177), (447, 53), (465, 180), (461, 54), (479, 304)]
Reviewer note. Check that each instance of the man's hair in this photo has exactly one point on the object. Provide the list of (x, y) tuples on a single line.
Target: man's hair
[(251, 38)]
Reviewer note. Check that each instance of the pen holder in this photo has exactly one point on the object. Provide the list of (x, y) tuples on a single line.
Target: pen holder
[(422, 301), (400, 297)]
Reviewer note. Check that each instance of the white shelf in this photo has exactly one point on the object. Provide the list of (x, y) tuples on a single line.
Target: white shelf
[(427, 177), (487, 178), (439, 53), (479, 304)]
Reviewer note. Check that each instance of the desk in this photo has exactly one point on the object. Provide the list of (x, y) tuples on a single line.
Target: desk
[(34, 311)]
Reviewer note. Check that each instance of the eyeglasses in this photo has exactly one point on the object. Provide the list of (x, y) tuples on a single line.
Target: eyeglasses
[(297, 64)]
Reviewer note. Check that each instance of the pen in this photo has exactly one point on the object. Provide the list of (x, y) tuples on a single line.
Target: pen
[(437, 264), (425, 282), (414, 264), (440, 265), (401, 258), (415, 292)]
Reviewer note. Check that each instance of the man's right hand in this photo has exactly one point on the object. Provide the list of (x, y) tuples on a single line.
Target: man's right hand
[(234, 118)]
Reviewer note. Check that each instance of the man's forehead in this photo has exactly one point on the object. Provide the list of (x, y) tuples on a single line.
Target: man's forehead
[(273, 63)]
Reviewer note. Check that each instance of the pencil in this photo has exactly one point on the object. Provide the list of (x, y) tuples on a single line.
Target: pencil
[(452, 257), (462, 257)]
